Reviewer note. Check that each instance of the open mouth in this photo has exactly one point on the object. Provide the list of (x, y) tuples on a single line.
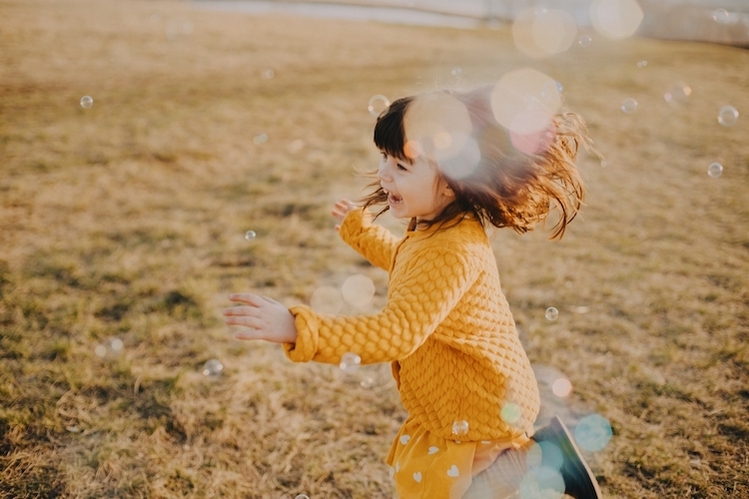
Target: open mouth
[(393, 199)]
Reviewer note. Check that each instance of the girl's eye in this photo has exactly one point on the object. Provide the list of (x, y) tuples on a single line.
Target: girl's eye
[(401, 167)]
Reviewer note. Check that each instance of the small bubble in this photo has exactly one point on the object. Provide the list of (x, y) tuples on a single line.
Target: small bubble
[(678, 94), (367, 382), (213, 368), (100, 350), (593, 432), (604, 163), (551, 314), (629, 105), (722, 16), (642, 64), (349, 362), (460, 428), (302, 496), (561, 387), (87, 101), (250, 235), (267, 74), (260, 138), (377, 104), (560, 87), (510, 413), (456, 71), (715, 170), (728, 115), (585, 41)]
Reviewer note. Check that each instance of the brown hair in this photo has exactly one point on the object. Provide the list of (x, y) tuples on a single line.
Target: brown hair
[(507, 188)]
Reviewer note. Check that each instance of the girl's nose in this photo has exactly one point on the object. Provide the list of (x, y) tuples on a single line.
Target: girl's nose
[(383, 172)]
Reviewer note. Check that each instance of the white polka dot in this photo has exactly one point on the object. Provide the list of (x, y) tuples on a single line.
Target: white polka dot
[(453, 471), (405, 439), (417, 476), (433, 450)]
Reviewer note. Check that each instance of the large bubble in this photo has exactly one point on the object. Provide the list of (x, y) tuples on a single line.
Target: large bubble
[(542, 32), (616, 19), (525, 102)]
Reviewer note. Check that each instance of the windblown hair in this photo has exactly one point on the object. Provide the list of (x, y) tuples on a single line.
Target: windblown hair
[(508, 188)]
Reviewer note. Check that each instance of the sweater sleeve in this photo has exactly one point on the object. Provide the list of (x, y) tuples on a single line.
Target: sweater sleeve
[(417, 303), (373, 242)]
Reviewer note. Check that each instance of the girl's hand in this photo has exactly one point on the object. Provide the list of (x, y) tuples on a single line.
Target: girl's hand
[(340, 209), (265, 319)]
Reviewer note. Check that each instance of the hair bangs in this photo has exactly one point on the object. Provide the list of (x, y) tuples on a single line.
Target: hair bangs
[(389, 132)]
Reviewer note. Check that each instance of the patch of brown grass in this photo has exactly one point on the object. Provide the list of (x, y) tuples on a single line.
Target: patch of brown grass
[(126, 221)]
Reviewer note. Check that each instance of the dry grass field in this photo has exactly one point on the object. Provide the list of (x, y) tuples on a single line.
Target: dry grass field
[(125, 221)]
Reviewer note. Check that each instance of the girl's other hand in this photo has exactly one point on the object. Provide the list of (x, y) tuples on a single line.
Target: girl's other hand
[(265, 319), (340, 209)]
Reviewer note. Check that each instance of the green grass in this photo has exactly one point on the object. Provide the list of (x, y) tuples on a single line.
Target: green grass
[(126, 220)]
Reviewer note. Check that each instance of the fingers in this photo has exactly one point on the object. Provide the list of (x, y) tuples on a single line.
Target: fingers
[(248, 298)]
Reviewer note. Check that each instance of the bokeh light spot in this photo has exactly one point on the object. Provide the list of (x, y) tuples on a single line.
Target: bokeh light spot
[(544, 454), (358, 290), (541, 32), (616, 19), (561, 387), (267, 74), (326, 300), (593, 432), (542, 483), (510, 413), (260, 138), (525, 101), (678, 94)]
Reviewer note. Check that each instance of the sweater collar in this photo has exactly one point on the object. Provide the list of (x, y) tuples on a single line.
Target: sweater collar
[(452, 222)]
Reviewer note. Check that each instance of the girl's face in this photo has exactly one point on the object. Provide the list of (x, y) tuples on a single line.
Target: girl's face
[(415, 189)]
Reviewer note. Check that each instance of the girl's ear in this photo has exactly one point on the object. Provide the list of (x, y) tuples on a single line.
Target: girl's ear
[(447, 191)]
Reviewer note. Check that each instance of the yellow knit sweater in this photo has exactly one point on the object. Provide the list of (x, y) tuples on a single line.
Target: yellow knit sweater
[(447, 329)]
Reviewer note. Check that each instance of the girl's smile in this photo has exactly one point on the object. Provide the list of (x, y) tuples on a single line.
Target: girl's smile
[(415, 189)]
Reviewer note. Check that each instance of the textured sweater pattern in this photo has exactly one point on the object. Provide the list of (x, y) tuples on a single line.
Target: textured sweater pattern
[(446, 328)]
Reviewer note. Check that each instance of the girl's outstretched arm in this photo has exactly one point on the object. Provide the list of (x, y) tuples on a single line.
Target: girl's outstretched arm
[(373, 242), (262, 318)]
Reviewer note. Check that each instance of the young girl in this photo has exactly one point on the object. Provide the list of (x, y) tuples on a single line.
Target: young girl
[(450, 169)]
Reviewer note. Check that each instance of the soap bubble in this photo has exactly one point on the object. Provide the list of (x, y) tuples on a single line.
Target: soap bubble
[(296, 145), (585, 41), (267, 74), (358, 290), (593, 433), (326, 300), (349, 362), (377, 104), (87, 101), (715, 170), (456, 71), (460, 428), (728, 115), (260, 138), (677, 94), (213, 368), (510, 413), (367, 382), (629, 105), (302, 496), (722, 16), (561, 387), (642, 64), (551, 314), (250, 235)]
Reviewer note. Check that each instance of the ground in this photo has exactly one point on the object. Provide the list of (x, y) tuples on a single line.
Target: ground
[(126, 221)]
